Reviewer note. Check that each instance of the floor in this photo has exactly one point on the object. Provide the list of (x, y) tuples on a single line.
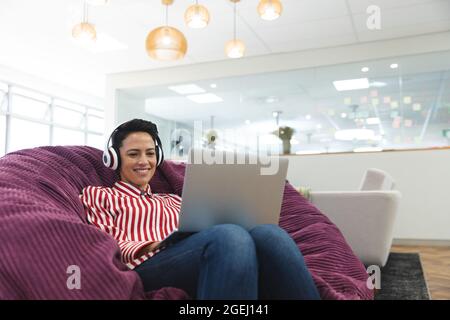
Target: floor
[(436, 265)]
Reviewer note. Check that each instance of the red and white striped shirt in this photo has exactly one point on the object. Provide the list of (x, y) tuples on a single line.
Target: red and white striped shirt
[(134, 218)]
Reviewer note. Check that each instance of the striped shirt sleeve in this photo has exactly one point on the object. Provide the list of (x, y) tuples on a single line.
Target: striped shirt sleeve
[(98, 214), (129, 249)]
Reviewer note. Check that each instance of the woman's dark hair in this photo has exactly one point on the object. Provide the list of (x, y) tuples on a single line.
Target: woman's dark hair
[(135, 125)]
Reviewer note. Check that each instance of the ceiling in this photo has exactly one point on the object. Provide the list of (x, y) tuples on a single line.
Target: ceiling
[(36, 35)]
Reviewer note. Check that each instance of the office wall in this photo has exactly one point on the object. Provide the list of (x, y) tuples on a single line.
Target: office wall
[(423, 178)]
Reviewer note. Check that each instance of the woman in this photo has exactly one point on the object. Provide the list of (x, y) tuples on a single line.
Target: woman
[(222, 262)]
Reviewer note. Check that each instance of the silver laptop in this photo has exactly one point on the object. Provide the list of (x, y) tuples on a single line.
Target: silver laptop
[(228, 187)]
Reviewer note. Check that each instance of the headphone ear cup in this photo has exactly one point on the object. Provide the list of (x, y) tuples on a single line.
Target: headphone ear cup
[(160, 156), (111, 159), (115, 158), (159, 152), (106, 158), (109, 154)]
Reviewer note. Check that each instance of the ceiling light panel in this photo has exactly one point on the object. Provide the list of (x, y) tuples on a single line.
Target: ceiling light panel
[(205, 98), (352, 84), (187, 89)]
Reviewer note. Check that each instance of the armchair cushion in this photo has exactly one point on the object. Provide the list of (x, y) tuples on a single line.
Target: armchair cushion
[(365, 218)]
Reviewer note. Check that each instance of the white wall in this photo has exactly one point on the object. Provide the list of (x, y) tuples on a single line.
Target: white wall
[(423, 178)]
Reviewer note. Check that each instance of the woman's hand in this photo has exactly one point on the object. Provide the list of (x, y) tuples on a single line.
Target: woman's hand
[(147, 249), (153, 245)]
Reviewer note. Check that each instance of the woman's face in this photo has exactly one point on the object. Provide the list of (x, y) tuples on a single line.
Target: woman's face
[(138, 159)]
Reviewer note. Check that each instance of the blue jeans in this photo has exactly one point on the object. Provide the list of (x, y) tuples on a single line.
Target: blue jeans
[(228, 262)]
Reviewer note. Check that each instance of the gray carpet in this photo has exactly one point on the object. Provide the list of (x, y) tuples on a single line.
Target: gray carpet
[(402, 278)]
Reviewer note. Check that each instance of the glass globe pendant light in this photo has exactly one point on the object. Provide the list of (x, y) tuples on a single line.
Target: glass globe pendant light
[(235, 48), (166, 43), (196, 16), (269, 9), (84, 32)]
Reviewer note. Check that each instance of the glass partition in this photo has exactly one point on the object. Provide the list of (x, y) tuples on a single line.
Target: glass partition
[(387, 104)]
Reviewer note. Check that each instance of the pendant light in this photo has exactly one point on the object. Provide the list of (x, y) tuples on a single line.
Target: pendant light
[(165, 42), (84, 32), (269, 9), (196, 16), (234, 48)]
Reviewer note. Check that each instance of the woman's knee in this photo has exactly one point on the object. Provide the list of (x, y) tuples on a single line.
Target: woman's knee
[(229, 241), (272, 237), (269, 232), (231, 235)]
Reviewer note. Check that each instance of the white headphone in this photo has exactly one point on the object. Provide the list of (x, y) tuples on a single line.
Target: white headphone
[(111, 154)]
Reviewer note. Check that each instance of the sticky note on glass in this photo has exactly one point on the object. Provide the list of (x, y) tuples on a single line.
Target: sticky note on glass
[(407, 100), (417, 107), (408, 123)]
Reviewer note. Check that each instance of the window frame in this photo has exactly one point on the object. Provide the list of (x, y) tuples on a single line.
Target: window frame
[(49, 121)]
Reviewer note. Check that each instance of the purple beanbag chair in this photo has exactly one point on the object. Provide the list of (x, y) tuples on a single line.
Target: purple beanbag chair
[(45, 240)]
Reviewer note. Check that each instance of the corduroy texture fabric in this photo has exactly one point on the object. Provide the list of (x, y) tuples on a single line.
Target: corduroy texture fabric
[(43, 232)]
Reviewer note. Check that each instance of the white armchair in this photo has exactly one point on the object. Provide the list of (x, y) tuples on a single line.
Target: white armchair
[(365, 217)]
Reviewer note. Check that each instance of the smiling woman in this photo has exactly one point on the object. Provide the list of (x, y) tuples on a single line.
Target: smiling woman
[(129, 211), (225, 261)]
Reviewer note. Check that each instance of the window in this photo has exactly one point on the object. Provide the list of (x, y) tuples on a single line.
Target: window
[(68, 114), (3, 102), (96, 141), (27, 134), (30, 108), (67, 117), (37, 119), (63, 136), (3, 87), (96, 124), (2, 134)]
